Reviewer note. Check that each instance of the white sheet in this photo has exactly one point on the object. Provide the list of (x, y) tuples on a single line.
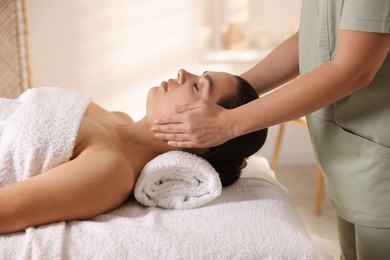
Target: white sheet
[(253, 219)]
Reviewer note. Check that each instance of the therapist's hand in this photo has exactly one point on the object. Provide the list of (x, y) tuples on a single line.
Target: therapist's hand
[(200, 124)]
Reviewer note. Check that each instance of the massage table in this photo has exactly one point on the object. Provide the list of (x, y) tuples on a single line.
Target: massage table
[(252, 219)]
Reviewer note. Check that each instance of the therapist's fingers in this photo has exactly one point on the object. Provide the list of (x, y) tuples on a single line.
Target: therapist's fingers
[(170, 119), (182, 108), (177, 140), (181, 116), (166, 126), (173, 119), (190, 106), (183, 144), (170, 137), (184, 140)]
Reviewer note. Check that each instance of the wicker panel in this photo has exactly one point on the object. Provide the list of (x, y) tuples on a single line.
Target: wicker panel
[(13, 60)]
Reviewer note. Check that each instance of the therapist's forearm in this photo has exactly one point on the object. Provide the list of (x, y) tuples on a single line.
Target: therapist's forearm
[(359, 58), (280, 66), (297, 98)]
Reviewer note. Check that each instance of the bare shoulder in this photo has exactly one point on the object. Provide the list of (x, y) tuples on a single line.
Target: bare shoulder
[(101, 127), (108, 169), (116, 116)]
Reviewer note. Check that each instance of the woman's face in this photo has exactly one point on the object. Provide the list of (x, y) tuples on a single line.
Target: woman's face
[(187, 88)]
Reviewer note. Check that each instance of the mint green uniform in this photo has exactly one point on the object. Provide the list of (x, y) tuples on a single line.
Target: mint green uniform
[(351, 137)]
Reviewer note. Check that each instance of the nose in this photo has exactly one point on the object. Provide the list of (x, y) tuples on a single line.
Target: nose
[(183, 76)]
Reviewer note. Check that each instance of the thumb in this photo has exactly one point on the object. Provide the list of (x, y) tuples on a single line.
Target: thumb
[(189, 106), (182, 108)]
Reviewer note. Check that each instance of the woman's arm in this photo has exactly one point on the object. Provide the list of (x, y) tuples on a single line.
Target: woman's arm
[(79, 189), (359, 57), (279, 67)]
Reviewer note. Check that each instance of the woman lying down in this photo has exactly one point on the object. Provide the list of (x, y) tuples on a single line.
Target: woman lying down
[(64, 157)]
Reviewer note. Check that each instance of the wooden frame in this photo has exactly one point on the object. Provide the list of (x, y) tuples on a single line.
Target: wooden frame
[(300, 122), (15, 66)]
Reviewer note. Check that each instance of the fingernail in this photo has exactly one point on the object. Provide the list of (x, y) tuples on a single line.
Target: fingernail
[(153, 129), (172, 143), (155, 122)]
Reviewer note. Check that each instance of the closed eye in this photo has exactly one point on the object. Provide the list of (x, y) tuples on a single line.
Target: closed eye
[(196, 87)]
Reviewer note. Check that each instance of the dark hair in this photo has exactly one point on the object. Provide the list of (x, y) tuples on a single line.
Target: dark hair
[(229, 157)]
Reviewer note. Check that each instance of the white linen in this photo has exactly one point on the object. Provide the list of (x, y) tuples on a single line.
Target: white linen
[(252, 219), (38, 131), (177, 180)]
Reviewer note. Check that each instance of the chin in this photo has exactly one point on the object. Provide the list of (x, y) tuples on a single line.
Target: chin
[(151, 99), (158, 104)]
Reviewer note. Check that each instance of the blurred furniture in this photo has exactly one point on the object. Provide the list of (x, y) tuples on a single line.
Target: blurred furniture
[(15, 68), (300, 122)]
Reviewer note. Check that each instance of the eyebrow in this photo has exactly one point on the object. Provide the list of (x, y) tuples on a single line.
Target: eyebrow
[(209, 79)]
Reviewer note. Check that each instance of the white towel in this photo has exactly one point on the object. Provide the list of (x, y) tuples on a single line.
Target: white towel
[(38, 131), (177, 180)]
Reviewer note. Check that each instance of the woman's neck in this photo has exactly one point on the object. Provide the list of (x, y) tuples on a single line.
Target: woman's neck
[(140, 139)]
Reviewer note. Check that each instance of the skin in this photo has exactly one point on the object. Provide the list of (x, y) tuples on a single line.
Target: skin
[(358, 58), (110, 152)]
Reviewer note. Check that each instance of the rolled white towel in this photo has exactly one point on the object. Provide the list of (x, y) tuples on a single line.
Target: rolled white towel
[(177, 180)]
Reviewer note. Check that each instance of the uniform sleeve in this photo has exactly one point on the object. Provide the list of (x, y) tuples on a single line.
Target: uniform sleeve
[(366, 16)]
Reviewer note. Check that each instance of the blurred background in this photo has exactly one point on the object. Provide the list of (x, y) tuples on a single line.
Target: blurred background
[(117, 50)]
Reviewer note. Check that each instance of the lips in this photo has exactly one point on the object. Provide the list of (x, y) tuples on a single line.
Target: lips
[(164, 85)]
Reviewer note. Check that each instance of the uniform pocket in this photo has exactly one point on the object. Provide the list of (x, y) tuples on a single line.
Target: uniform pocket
[(360, 142)]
